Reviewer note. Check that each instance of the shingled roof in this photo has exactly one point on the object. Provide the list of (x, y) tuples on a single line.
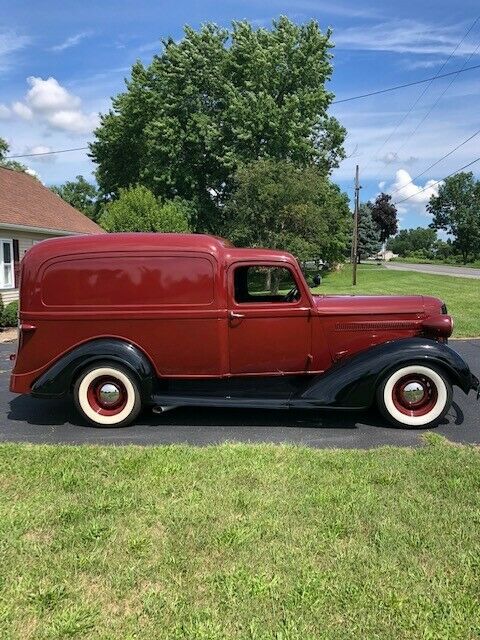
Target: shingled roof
[(25, 201)]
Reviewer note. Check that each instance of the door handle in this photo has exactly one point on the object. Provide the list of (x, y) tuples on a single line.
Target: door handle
[(233, 315)]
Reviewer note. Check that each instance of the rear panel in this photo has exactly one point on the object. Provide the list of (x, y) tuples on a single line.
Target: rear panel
[(166, 303)]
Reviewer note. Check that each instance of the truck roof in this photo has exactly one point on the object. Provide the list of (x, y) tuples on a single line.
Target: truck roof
[(147, 241)]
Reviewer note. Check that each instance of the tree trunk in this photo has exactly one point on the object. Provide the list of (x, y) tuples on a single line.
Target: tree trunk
[(268, 280), (276, 282)]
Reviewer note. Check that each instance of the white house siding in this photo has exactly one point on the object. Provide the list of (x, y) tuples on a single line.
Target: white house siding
[(9, 295), (26, 240)]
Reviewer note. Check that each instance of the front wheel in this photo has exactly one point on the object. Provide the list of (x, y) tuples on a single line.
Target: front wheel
[(107, 395), (415, 396)]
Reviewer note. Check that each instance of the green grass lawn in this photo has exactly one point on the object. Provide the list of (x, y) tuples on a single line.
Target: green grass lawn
[(236, 541), (462, 295)]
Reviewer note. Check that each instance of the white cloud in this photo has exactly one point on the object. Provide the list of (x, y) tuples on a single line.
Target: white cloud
[(73, 120), (392, 157), (48, 102), (5, 112), (41, 148), (418, 195), (72, 41), (347, 9), (22, 110), (423, 64), (48, 95), (405, 36), (10, 42)]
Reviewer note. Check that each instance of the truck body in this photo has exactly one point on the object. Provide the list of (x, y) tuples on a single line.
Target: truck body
[(211, 324)]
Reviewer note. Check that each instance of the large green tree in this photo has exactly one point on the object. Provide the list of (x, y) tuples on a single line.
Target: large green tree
[(217, 100), (384, 215), (137, 209), (408, 241), (278, 205), (81, 194), (369, 242), (456, 209)]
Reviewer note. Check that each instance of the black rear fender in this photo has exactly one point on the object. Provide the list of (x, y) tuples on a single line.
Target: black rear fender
[(353, 381), (59, 378)]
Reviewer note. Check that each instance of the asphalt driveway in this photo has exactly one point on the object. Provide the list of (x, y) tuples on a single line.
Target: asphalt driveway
[(25, 419), (437, 269)]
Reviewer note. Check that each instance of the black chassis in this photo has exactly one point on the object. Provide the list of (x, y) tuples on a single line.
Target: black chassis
[(348, 384)]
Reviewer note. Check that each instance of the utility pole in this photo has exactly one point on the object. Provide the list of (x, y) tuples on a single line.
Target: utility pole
[(355, 228)]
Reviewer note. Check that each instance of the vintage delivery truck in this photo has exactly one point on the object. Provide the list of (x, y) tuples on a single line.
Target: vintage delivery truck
[(123, 321)]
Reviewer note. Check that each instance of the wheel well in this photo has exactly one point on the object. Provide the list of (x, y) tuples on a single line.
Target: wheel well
[(110, 360), (441, 367)]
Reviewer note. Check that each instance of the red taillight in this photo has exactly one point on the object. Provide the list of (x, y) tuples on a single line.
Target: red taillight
[(27, 327)]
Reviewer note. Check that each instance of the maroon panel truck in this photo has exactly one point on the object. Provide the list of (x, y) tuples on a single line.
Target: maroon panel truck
[(123, 321)]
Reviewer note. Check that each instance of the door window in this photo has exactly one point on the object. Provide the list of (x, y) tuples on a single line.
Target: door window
[(258, 283)]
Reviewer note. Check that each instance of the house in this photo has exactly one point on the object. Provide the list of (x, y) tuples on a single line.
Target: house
[(386, 255), (29, 213)]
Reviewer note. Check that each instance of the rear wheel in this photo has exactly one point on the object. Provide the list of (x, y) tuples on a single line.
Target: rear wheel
[(107, 395), (415, 396)]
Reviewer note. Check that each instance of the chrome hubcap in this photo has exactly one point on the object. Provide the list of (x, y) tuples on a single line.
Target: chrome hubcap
[(109, 394), (413, 392)]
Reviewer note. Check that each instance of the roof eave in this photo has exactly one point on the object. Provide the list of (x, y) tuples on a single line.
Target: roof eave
[(55, 232)]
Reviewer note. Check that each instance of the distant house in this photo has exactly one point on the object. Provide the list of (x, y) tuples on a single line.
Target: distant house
[(387, 255), (29, 213)]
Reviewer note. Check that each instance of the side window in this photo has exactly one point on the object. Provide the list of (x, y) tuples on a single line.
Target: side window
[(128, 280), (256, 283)]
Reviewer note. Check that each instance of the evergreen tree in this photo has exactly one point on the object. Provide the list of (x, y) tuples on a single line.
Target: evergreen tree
[(369, 238)]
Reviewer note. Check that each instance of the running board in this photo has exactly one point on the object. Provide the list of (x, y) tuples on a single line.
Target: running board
[(224, 401), (171, 401)]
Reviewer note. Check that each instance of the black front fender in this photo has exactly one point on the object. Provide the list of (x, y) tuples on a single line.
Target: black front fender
[(353, 381), (58, 379)]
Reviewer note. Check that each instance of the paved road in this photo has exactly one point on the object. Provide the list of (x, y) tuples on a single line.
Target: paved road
[(47, 421), (438, 269)]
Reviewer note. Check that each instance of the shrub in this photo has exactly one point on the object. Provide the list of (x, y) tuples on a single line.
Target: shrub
[(10, 314), (137, 209)]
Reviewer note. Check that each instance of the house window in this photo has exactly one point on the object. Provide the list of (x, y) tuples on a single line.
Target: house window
[(6, 267)]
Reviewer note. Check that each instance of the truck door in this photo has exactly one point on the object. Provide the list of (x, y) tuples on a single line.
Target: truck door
[(269, 320)]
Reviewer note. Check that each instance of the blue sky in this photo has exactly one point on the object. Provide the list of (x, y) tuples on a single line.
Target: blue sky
[(61, 61)]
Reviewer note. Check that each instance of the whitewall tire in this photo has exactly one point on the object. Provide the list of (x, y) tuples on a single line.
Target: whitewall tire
[(107, 395), (415, 396)]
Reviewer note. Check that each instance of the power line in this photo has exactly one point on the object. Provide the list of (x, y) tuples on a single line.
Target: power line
[(419, 175), (408, 84), (437, 181), (422, 120), (45, 153), (424, 91), (359, 97)]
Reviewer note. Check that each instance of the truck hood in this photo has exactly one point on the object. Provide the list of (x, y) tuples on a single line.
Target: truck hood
[(370, 305)]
